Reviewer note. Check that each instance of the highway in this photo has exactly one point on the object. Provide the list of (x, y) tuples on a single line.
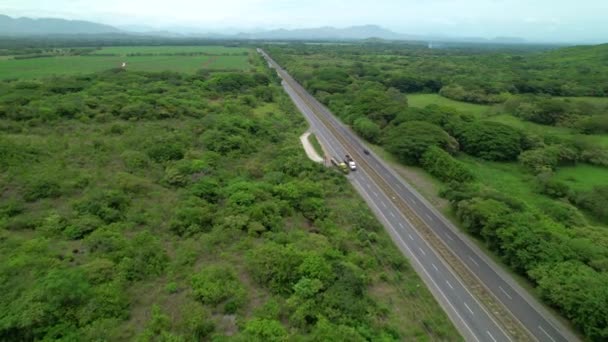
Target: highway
[(483, 301)]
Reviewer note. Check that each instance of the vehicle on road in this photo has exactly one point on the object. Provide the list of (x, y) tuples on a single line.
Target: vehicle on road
[(340, 165), (350, 162), (366, 152)]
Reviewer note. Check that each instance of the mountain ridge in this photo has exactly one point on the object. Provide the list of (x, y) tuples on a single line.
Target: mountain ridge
[(53, 26)]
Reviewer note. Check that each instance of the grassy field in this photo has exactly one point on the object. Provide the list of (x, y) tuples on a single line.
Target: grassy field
[(423, 100), (123, 50), (70, 65), (582, 176)]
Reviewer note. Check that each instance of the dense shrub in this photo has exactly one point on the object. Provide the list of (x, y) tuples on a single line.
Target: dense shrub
[(595, 201), (442, 165), (409, 140), (490, 140), (216, 284)]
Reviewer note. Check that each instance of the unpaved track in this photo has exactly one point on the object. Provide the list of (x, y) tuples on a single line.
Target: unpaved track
[(310, 150)]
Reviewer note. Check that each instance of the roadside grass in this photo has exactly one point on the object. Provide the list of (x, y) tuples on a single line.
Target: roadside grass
[(71, 65), (423, 100), (210, 49), (316, 144)]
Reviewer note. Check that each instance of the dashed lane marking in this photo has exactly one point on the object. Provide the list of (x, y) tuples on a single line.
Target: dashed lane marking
[(468, 308), (505, 292)]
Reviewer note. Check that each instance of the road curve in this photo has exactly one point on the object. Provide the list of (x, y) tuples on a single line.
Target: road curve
[(391, 199)]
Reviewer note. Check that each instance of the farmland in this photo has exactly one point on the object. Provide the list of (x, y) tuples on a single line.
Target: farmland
[(83, 64), (164, 49)]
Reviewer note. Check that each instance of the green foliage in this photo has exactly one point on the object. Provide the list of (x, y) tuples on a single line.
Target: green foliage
[(595, 201), (490, 140), (265, 330), (367, 129), (580, 293), (420, 137), (273, 266), (116, 195), (216, 284), (443, 166)]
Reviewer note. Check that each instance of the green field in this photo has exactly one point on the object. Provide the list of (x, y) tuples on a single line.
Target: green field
[(70, 65), (423, 100), (583, 177), (212, 49)]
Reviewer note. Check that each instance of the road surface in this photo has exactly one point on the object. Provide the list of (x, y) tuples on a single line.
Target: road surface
[(459, 274)]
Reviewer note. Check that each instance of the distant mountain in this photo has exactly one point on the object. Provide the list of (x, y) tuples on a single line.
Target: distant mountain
[(48, 26), (327, 32)]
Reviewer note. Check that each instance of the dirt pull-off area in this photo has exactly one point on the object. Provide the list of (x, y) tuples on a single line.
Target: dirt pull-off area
[(310, 150)]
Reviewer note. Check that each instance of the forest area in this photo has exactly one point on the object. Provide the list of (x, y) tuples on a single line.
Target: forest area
[(166, 206), (517, 140)]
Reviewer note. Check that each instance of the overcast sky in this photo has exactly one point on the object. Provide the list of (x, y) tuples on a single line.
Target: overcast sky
[(546, 20)]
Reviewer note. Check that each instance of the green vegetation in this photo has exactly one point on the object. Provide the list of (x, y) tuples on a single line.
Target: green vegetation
[(177, 59), (164, 49), (522, 162), (315, 143), (167, 206)]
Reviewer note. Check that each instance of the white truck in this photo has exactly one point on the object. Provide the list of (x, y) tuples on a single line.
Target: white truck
[(350, 162)]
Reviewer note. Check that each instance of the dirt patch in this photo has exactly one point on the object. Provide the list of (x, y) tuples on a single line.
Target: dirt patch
[(310, 150)]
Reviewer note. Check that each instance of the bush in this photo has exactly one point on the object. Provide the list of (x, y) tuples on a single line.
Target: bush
[(191, 217), (274, 266), (164, 151), (108, 205), (216, 284), (443, 166), (595, 201), (263, 330), (41, 188)]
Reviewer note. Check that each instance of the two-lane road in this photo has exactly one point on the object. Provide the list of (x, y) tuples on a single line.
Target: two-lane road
[(391, 198)]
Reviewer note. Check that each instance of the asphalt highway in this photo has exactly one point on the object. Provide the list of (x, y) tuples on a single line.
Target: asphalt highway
[(387, 194)]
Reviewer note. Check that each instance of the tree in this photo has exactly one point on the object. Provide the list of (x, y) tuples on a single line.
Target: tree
[(490, 140), (367, 129), (410, 140)]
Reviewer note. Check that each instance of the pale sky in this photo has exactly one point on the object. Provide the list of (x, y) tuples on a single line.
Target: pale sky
[(538, 20)]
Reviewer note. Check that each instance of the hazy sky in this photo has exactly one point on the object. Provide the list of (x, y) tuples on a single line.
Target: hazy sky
[(550, 20)]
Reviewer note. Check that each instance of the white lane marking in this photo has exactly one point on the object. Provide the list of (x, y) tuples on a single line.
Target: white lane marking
[(421, 251), (449, 237), (384, 205), (473, 260), (393, 215), (450, 285), (411, 237), (505, 292), (429, 217), (375, 194), (435, 267), (546, 333), (468, 308), (492, 337), (401, 225)]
